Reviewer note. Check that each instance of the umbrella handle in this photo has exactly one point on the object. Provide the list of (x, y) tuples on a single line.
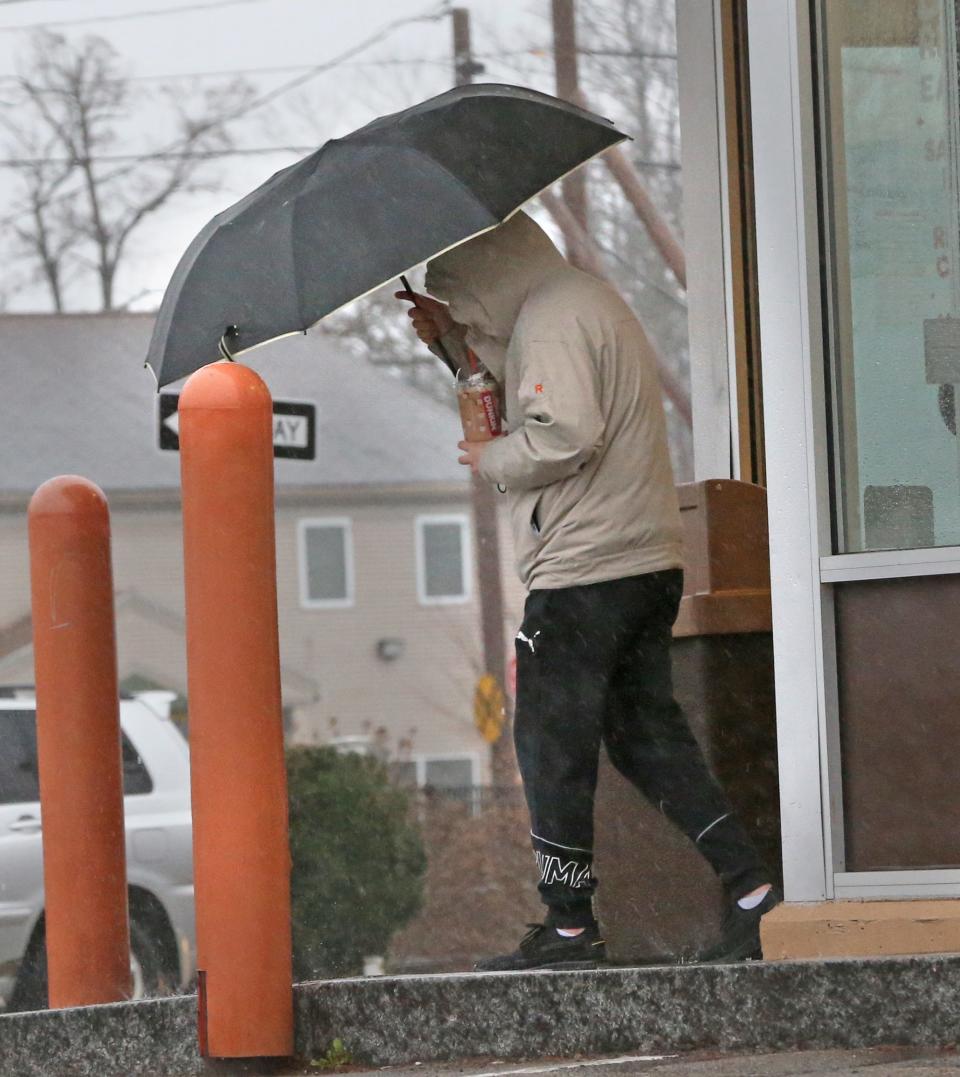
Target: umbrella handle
[(437, 347), (225, 353)]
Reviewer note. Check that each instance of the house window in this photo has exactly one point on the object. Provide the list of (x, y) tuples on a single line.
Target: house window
[(449, 774), (326, 563), (446, 773), (443, 559)]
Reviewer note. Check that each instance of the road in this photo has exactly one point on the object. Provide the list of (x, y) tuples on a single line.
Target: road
[(868, 1062)]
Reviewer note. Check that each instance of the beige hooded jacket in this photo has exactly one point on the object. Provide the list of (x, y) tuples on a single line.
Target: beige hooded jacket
[(585, 459)]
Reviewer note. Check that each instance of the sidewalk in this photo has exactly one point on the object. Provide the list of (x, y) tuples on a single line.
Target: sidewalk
[(872, 1062), (843, 1011)]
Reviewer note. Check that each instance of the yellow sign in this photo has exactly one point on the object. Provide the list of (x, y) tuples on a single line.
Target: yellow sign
[(488, 713)]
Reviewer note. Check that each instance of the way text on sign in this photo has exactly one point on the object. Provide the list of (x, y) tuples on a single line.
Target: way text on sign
[(294, 427)]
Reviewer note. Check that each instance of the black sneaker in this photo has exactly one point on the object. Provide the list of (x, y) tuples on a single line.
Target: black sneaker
[(740, 932), (542, 947)]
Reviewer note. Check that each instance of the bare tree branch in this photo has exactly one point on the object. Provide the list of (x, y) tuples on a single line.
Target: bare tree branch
[(632, 186), (591, 260), (581, 250), (77, 96)]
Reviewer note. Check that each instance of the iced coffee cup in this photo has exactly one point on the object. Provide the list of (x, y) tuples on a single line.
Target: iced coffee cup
[(479, 399)]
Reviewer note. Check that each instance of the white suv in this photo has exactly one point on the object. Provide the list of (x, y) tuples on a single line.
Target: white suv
[(156, 775)]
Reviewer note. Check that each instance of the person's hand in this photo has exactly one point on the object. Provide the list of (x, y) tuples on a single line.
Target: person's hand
[(472, 451), (431, 318)]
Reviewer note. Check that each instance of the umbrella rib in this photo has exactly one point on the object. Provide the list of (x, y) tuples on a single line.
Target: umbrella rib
[(466, 239), (439, 164), (483, 201), (306, 323)]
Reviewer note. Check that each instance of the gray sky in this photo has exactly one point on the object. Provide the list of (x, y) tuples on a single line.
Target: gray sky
[(410, 63)]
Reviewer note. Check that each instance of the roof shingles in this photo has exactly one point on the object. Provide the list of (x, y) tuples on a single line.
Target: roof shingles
[(77, 400)]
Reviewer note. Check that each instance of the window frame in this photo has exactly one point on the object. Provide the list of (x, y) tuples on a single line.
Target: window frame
[(784, 53), (345, 524), (421, 759), (423, 520)]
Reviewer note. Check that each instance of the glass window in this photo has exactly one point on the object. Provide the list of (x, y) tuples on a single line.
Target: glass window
[(19, 772), (448, 773), (19, 778), (889, 149), (326, 563), (442, 559), (898, 680), (136, 777)]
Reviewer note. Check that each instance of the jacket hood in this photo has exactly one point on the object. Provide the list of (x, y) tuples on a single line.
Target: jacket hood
[(486, 280)]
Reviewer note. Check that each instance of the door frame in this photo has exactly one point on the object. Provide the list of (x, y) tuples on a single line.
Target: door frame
[(804, 568)]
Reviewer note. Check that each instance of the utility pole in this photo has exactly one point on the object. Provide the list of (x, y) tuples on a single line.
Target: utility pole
[(464, 65), (484, 498), (568, 88)]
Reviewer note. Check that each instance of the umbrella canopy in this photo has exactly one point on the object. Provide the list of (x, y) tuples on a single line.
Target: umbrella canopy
[(360, 211)]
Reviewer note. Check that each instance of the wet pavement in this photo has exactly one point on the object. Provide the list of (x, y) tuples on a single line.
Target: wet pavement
[(877, 1062)]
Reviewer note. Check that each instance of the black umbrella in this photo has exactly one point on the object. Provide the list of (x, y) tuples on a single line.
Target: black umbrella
[(360, 211)]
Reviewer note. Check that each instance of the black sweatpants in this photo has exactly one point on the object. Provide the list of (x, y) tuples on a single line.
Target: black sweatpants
[(593, 664)]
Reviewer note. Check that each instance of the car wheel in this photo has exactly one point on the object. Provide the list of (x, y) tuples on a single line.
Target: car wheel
[(147, 975), (30, 990)]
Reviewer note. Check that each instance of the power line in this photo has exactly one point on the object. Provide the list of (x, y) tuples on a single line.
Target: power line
[(117, 158), (629, 54), (240, 71), (439, 61), (432, 14), (151, 13), (278, 70), (204, 155), (534, 51)]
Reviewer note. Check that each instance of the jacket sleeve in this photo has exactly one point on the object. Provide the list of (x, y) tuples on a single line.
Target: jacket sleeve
[(561, 425)]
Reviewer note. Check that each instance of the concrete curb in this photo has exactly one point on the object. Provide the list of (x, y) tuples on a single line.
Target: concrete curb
[(156, 1037), (398, 1020)]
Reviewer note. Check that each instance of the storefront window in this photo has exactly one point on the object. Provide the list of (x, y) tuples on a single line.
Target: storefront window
[(889, 150)]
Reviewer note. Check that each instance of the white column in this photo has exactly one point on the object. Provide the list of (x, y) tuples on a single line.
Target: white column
[(704, 218), (794, 416)]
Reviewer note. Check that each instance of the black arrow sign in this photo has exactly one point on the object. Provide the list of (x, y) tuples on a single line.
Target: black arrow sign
[(294, 427)]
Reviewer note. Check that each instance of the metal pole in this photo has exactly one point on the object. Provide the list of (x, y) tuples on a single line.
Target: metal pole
[(464, 66), (78, 744), (241, 849), (484, 497), (568, 87)]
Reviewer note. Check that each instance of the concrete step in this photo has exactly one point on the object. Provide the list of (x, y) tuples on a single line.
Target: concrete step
[(861, 929), (394, 1021)]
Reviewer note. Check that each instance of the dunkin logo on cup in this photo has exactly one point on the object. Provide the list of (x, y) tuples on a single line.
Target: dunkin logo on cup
[(491, 411)]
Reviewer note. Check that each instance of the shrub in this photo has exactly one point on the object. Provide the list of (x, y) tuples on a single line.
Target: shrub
[(358, 861)]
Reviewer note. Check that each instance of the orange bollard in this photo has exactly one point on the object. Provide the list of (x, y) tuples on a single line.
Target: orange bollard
[(78, 744), (241, 850)]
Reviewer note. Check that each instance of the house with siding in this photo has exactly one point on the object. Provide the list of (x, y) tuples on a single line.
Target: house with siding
[(377, 591)]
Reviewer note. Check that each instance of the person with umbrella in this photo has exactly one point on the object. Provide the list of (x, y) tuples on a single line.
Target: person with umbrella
[(585, 463), (597, 542)]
